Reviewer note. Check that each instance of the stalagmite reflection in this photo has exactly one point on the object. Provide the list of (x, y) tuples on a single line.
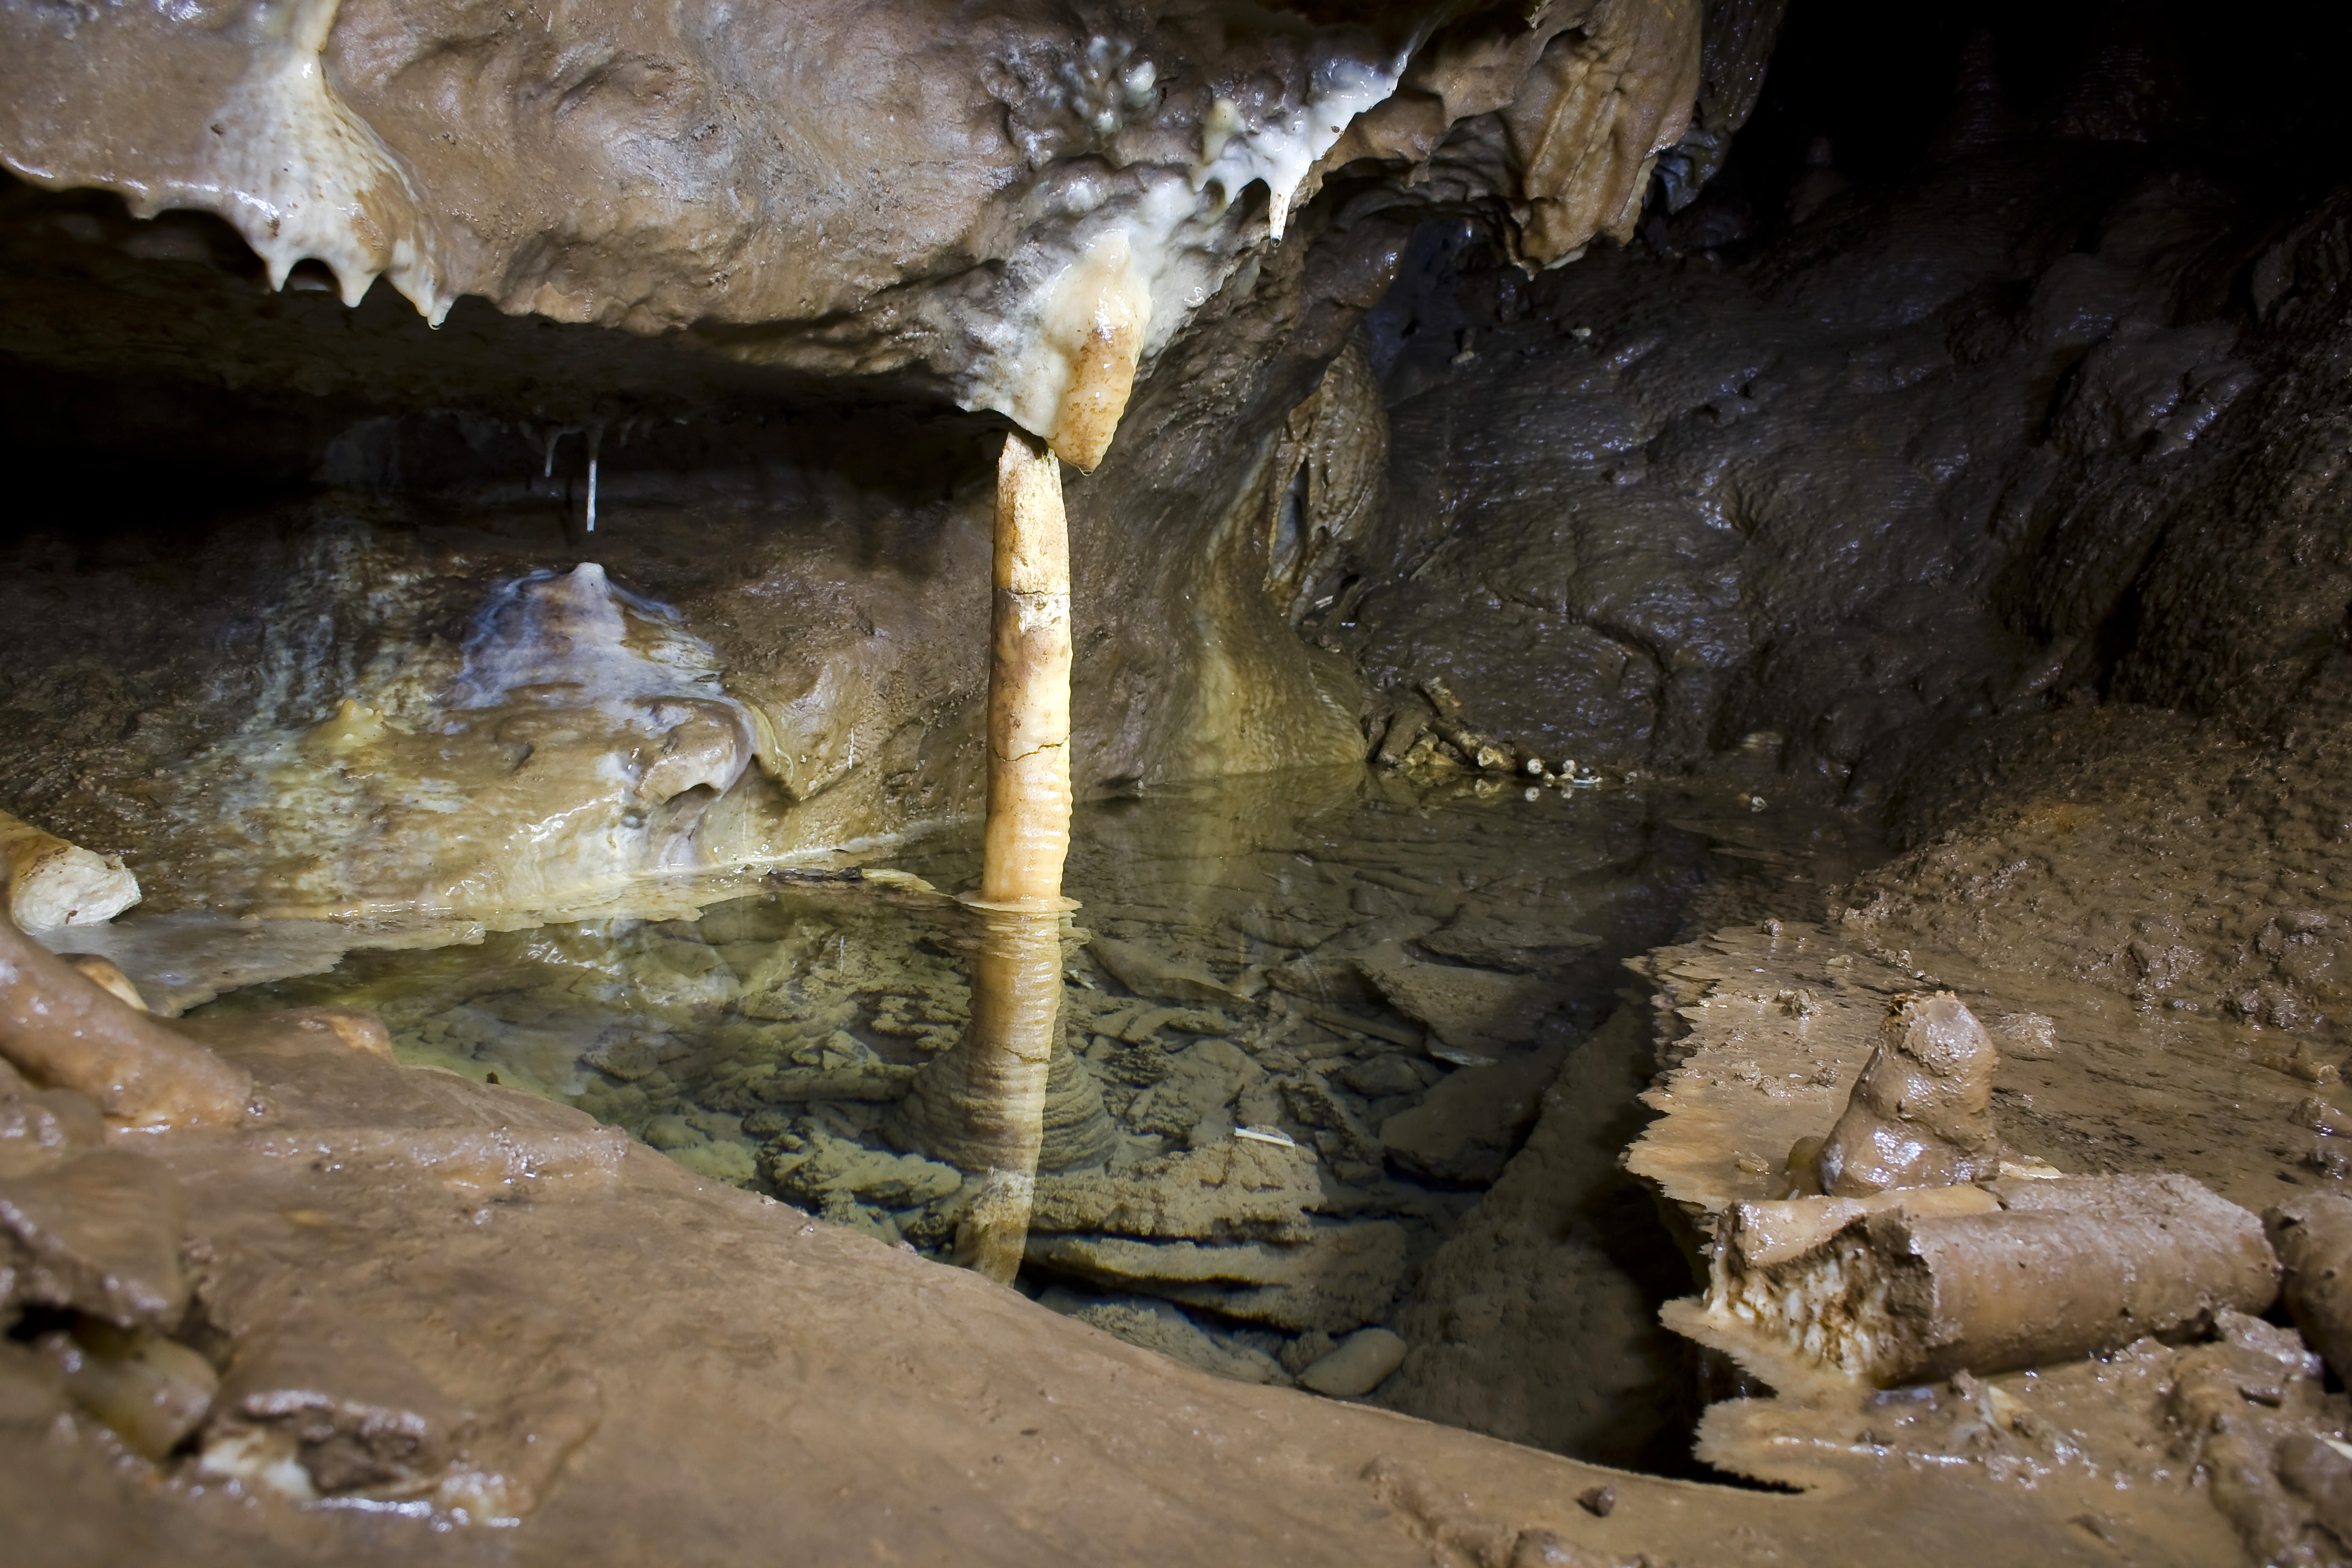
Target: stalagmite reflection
[(983, 1106)]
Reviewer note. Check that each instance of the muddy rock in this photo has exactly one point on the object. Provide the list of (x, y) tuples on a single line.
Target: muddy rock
[(1336, 1278), (100, 1234), (2312, 1236), (1235, 1190), (1359, 1365), (1470, 1124)]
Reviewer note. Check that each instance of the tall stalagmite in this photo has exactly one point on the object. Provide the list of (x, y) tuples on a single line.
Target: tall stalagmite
[(1028, 687)]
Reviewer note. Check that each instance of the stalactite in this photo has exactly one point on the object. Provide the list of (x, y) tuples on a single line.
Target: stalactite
[(596, 439)]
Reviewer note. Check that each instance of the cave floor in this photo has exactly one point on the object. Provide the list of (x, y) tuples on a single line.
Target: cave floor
[(1369, 1045), (673, 1370)]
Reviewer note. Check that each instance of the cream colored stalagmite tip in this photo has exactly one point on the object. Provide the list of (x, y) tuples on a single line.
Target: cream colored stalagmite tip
[(52, 883)]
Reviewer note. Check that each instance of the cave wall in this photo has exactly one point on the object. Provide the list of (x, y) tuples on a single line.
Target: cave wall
[(1856, 456)]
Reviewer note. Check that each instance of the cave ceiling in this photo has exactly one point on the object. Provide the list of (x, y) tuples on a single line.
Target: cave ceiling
[(939, 200)]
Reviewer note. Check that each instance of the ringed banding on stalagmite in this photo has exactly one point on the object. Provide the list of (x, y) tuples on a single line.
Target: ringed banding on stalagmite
[(981, 1106), (1921, 1115), (1028, 832)]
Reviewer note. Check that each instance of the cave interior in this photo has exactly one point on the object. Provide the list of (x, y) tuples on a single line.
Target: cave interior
[(1694, 661)]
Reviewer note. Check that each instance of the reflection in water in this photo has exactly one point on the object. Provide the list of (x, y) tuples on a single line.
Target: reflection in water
[(982, 1107)]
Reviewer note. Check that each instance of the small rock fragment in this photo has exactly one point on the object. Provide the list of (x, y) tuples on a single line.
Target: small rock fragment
[(150, 1391), (1360, 1363), (1467, 1127), (1386, 1075), (2029, 1036), (2313, 1233), (1545, 1549)]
